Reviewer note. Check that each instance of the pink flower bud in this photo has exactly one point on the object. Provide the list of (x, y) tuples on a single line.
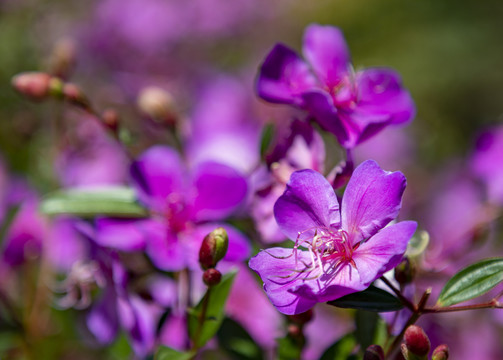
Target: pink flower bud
[(417, 342), (157, 104), (212, 277), (74, 94), (111, 119), (374, 352), (35, 85), (441, 352), (213, 248)]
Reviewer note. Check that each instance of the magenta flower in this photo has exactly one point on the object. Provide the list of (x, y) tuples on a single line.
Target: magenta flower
[(346, 249), (353, 106)]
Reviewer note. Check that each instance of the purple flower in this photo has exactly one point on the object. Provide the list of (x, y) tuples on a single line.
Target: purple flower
[(487, 162), (184, 205), (347, 248), (353, 106)]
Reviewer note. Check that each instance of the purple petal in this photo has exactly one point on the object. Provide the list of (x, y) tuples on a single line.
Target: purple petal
[(371, 200), (279, 280), (248, 305), (326, 50), (163, 290), (102, 320), (383, 251), (65, 246), (321, 106), (380, 92), (165, 250), (293, 292), (174, 333), (143, 332), (308, 202), (284, 76), (220, 189), (124, 234), (158, 173)]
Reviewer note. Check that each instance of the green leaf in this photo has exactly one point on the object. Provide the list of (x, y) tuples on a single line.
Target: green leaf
[(288, 348), (236, 341), (366, 327), (266, 139), (166, 353), (473, 281), (116, 201), (371, 299), (341, 350), (216, 298)]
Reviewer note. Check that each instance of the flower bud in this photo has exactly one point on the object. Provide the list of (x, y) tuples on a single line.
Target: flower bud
[(416, 342), (441, 352), (74, 94), (212, 277), (405, 272), (213, 248), (35, 85), (157, 104), (374, 352), (63, 57), (111, 119)]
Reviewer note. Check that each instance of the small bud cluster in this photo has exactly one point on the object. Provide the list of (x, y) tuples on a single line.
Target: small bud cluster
[(158, 105), (213, 249), (374, 352), (417, 345)]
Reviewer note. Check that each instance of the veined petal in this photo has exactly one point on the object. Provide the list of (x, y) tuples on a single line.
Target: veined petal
[(326, 50), (371, 200), (284, 76), (156, 174), (220, 189), (294, 285), (276, 267), (309, 202), (383, 251)]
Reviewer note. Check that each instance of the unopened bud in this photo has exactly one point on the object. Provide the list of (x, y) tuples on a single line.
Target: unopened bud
[(35, 85), (212, 277), (213, 248), (441, 352), (62, 58), (302, 318), (74, 94), (111, 119), (157, 104), (405, 272), (417, 343), (374, 352)]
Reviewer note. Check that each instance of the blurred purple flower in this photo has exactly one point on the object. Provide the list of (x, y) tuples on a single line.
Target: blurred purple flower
[(184, 205), (487, 162), (353, 106), (300, 148), (347, 249), (91, 157)]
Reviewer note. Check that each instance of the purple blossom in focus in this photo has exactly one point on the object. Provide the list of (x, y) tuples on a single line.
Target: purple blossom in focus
[(353, 106), (347, 247)]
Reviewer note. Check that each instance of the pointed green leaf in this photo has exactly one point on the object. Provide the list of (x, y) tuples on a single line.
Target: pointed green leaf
[(217, 296), (266, 139), (473, 281), (166, 353), (341, 350), (116, 201), (371, 299)]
